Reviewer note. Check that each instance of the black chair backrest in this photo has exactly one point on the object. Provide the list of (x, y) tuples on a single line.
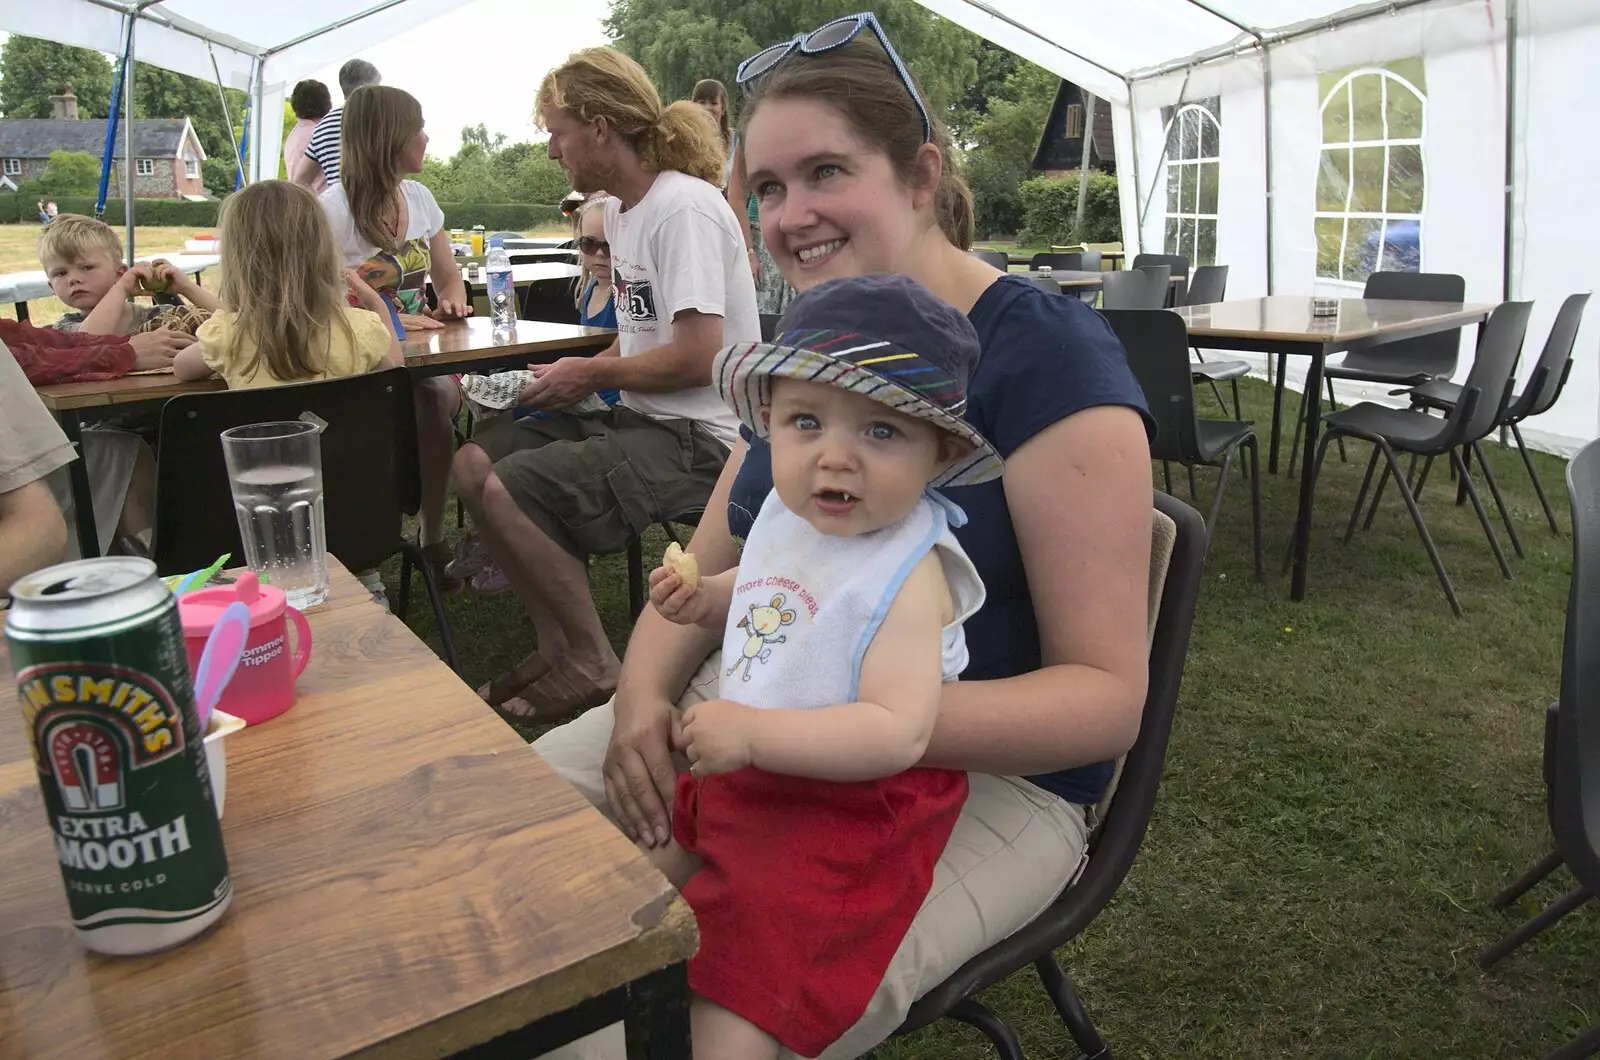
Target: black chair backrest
[(1134, 289), (1046, 284), (997, 258), (769, 326), (1555, 362), (1575, 798), (1089, 260), (543, 257), (1432, 354), (369, 467), (1180, 269), (1157, 345), (1060, 262), (551, 300), (1488, 386), (1208, 284)]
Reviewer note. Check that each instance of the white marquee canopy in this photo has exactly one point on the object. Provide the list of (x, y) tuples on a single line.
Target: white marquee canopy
[(1304, 143)]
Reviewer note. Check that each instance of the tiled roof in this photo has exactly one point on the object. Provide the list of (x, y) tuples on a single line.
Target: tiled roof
[(37, 137)]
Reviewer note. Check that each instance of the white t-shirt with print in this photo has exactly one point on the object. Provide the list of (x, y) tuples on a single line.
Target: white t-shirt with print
[(402, 274), (679, 248)]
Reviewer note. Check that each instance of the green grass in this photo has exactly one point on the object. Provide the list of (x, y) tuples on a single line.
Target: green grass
[(1350, 780)]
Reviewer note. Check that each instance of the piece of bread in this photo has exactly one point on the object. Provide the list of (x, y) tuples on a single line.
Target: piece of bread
[(682, 563)]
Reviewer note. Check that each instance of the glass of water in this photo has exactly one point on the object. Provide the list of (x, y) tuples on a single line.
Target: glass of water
[(275, 471)]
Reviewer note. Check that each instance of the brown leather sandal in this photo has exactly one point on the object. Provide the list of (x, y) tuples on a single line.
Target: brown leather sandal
[(514, 680), (553, 697)]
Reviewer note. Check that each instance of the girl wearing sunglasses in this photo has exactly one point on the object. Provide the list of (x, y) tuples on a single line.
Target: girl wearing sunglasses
[(853, 176)]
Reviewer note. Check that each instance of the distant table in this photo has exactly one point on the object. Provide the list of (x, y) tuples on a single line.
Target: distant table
[(529, 272), (1075, 278), (537, 243), (466, 345), (1284, 325), (21, 287), (1113, 256), (409, 880)]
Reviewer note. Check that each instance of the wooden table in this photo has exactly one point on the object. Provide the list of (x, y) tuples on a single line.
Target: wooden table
[(467, 345), (1284, 325), (1113, 256), (410, 880), (1076, 279)]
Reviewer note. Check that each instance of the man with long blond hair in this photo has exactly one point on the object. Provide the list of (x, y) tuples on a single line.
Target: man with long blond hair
[(682, 291)]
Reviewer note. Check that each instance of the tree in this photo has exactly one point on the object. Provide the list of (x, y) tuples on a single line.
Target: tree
[(33, 70), (161, 93), (70, 173), (681, 41), (1004, 142)]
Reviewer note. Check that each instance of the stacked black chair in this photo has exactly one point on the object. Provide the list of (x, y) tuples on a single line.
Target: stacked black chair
[(369, 476), (997, 258), (1571, 741), (1115, 843), (1393, 431), (1209, 284), (1178, 264), (1144, 288), (1543, 389), (1157, 343)]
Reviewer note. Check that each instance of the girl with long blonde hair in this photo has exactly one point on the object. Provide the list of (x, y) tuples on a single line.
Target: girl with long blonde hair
[(390, 230), (284, 316)]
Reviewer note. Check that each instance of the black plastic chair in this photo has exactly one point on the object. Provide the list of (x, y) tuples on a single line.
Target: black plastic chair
[(1135, 288), (369, 476), (1180, 269), (552, 256), (769, 325), (1409, 362), (552, 300), (1571, 740), (1394, 431), (1543, 388), (1157, 344), (1047, 285), (1209, 284), (1061, 262), (1115, 842), (997, 258)]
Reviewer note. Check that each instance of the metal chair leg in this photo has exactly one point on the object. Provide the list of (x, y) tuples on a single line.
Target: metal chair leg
[(436, 602), (635, 577), (1316, 472), (1483, 515), (1422, 480), (1583, 1046), (1238, 409), (1499, 501), (1526, 882), (1377, 495), (1538, 486), (1222, 484), (401, 604), (1194, 491), (1166, 475), (998, 1031), (1217, 393), (1299, 424), (1333, 406), (1422, 528), (1255, 501), (1361, 495), (1490, 955), (1070, 1009)]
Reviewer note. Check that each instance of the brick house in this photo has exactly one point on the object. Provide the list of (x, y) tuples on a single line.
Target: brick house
[(166, 152)]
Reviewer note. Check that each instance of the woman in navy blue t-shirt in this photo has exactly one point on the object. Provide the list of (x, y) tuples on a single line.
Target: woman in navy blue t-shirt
[(854, 177)]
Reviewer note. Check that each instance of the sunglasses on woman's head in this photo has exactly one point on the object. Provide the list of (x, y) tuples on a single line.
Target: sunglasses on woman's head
[(825, 38), (591, 245)]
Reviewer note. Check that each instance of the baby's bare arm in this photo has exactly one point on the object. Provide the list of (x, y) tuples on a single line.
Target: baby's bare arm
[(887, 729)]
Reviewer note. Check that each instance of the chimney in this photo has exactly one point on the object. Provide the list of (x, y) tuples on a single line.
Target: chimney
[(64, 104)]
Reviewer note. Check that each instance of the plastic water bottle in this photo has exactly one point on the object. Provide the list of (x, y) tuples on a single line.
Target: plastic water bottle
[(502, 291)]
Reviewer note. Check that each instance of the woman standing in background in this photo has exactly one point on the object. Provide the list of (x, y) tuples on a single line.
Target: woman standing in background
[(310, 101)]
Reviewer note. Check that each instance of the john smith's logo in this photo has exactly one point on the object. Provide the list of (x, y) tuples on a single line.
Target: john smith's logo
[(638, 300), (93, 722)]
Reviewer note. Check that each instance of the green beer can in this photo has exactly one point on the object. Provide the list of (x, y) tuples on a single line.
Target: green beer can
[(108, 707)]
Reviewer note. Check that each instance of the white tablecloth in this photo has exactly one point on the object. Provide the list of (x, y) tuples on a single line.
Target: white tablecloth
[(26, 286)]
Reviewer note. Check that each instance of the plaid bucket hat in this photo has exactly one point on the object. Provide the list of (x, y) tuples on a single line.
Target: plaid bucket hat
[(884, 337)]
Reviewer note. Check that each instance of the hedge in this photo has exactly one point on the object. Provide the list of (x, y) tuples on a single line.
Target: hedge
[(1051, 205), (509, 216), (176, 212)]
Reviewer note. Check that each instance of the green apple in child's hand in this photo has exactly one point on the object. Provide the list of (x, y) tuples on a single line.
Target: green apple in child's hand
[(157, 283)]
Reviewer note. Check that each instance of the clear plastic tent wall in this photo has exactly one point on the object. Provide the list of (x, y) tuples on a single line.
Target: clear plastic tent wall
[(1387, 143), (261, 47)]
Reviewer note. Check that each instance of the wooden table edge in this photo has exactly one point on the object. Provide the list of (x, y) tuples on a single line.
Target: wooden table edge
[(1469, 313), (671, 939)]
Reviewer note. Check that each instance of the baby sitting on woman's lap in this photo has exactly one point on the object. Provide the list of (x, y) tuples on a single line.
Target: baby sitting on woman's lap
[(806, 832)]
